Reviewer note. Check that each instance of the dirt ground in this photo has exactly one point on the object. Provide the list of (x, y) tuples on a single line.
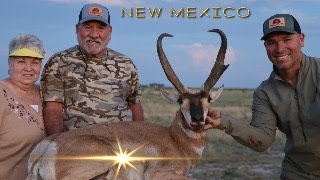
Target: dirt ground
[(243, 169), (233, 161)]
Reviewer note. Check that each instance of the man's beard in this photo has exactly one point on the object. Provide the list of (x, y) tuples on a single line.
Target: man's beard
[(94, 49)]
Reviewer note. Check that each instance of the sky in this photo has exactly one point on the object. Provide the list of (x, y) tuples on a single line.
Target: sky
[(192, 51)]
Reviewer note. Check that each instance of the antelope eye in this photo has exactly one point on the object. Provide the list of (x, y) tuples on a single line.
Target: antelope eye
[(180, 101), (209, 99)]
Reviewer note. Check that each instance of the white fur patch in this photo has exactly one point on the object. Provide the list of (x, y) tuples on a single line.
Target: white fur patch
[(198, 150), (37, 153), (47, 164), (191, 133), (187, 117), (205, 105)]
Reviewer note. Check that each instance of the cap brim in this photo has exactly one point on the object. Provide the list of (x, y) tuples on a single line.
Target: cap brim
[(93, 19), (27, 53), (263, 37)]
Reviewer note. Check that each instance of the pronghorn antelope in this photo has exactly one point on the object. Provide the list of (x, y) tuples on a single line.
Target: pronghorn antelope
[(89, 153)]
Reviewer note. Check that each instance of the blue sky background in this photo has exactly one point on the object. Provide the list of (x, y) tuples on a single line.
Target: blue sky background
[(191, 51)]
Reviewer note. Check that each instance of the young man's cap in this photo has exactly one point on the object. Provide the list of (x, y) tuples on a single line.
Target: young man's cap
[(280, 23), (26, 52), (94, 12)]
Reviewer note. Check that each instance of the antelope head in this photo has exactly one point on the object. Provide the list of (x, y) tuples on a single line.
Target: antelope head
[(194, 104)]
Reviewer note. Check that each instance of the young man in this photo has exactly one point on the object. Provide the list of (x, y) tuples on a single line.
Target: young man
[(90, 83), (288, 100)]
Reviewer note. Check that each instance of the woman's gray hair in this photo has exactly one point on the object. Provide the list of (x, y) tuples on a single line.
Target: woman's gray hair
[(26, 41)]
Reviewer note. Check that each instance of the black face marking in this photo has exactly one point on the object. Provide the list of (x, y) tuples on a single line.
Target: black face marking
[(196, 110)]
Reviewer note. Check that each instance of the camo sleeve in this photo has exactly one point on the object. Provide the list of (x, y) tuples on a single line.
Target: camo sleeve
[(51, 85), (135, 95)]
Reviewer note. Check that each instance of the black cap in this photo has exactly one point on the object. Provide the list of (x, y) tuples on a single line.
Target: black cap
[(282, 23)]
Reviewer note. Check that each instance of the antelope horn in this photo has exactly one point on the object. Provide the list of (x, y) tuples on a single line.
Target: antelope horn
[(219, 67), (172, 77)]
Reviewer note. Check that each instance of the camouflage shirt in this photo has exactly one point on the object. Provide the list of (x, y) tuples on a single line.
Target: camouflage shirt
[(92, 90)]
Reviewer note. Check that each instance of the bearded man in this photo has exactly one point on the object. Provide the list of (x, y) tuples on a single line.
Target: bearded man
[(90, 83)]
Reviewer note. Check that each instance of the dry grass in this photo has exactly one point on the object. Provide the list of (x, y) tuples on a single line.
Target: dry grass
[(223, 157)]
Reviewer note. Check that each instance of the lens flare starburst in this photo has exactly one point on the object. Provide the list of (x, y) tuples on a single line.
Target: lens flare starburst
[(123, 158)]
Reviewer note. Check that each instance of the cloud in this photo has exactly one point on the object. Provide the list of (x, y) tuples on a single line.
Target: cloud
[(276, 2), (204, 55), (304, 1), (302, 17), (173, 1), (116, 3)]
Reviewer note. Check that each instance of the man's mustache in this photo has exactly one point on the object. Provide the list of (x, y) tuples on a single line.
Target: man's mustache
[(96, 40)]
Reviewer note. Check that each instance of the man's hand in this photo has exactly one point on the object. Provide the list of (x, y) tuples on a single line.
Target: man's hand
[(212, 120)]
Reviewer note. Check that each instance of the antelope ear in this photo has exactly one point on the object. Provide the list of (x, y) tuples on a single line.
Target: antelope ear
[(170, 98), (215, 94)]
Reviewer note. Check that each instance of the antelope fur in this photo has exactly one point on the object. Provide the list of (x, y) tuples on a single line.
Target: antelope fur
[(185, 139)]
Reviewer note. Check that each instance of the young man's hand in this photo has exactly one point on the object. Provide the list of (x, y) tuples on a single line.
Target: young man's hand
[(212, 120)]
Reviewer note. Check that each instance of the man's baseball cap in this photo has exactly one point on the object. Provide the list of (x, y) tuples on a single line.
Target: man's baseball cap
[(282, 23), (94, 12)]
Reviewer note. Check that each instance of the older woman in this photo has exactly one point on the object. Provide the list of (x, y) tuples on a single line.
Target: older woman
[(21, 123)]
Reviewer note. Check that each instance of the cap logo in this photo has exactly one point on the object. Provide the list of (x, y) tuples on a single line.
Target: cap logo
[(95, 11), (277, 22)]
